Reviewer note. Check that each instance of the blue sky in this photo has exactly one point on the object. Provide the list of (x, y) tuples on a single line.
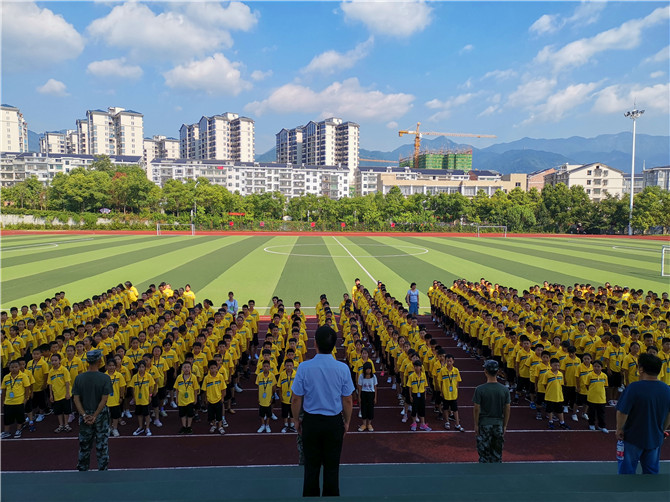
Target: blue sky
[(513, 69)]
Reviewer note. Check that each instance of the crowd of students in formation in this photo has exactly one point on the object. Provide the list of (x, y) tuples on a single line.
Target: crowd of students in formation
[(570, 350)]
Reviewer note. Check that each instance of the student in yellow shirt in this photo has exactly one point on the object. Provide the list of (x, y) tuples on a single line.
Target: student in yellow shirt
[(285, 384), (266, 382), (596, 383), (144, 386), (116, 396), (417, 384), (15, 393), (552, 381), (213, 386), (59, 392), (450, 378), (629, 365), (187, 388), (39, 370)]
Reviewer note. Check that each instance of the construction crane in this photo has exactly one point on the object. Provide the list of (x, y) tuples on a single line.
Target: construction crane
[(417, 138)]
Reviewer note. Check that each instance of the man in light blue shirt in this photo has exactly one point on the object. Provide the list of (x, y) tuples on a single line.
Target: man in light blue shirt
[(232, 304), (322, 389)]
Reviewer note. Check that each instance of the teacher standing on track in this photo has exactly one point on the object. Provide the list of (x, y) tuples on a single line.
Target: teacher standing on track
[(322, 389), (412, 299)]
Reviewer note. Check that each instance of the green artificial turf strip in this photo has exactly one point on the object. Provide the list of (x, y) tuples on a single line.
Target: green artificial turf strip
[(213, 265)]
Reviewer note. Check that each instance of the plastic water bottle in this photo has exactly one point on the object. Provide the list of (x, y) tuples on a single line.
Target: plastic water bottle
[(619, 451)]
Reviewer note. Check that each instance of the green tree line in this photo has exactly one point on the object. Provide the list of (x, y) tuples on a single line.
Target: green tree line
[(126, 191)]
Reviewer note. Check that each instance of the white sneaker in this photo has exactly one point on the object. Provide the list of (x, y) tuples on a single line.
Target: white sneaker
[(592, 427), (261, 428), (148, 432), (565, 409), (606, 431), (163, 413), (70, 418), (274, 417), (574, 417), (158, 423), (128, 414), (212, 429), (621, 388), (267, 428), (393, 387), (255, 356), (115, 433), (389, 380), (238, 388), (360, 414), (138, 431), (404, 419), (402, 412), (275, 396), (378, 361), (173, 405), (224, 423), (39, 418), (585, 416), (222, 431)]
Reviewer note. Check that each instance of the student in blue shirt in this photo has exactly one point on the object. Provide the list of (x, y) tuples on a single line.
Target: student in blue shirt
[(412, 299)]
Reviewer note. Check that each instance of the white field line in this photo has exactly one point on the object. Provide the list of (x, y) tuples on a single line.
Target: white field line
[(354, 258), (637, 249), (45, 244)]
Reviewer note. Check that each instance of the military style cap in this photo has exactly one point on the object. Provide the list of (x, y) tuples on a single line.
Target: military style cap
[(93, 355)]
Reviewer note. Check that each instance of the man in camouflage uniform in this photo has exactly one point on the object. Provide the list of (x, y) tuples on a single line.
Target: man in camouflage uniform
[(491, 410), (91, 391)]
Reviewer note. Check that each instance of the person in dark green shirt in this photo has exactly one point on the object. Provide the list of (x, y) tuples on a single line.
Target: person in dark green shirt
[(491, 410)]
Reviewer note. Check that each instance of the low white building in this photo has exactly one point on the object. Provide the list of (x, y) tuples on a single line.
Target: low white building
[(597, 179), (256, 177), (16, 167), (657, 177)]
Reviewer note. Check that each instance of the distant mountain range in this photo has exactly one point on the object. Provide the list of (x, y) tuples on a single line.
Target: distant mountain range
[(524, 155), (528, 154)]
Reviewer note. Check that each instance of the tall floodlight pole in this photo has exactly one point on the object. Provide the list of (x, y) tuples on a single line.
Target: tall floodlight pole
[(195, 204), (633, 115)]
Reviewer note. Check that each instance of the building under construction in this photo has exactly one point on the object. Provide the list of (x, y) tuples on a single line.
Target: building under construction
[(441, 159)]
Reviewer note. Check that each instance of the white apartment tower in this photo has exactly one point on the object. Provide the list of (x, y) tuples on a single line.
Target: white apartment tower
[(116, 131), (221, 137), (59, 142), (13, 130), (326, 143), (160, 147)]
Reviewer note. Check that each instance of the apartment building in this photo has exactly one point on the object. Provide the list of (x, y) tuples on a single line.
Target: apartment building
[(536, 178), (436, 181), (160, 147), (657, 177), (115, 131), (16, 167), (59, 142), (326, 143), (221, 137), (596, 178), (13, 130), (253, 177)]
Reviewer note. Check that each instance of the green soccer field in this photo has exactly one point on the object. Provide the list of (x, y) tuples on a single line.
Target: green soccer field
[(303, 267)]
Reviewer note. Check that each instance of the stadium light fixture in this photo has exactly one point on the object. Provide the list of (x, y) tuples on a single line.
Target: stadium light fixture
[(633, 115)]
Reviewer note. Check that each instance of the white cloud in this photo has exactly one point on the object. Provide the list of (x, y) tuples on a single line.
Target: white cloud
[(189, 30), (389, 18), (332, 61), (447, 106), (32, 36), (489, 111), (580, 52), (392, 125), (466, 48), (656, 74), (619, 98), (53, 87), (466, 85), (114, 68), (259, 75), (547, 23), (660, 56), (559, 103), (213, 75), (500, 74), (342, 99), (531, 92), (587, 12)]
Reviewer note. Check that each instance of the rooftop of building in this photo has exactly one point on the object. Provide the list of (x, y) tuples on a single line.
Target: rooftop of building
[(37, 155), (428, 172), (9, 107), (224, 163)]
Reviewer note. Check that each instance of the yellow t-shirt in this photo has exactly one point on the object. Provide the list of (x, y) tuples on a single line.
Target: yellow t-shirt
[(118, 382), (286, 384), (214, 386), (39, 371), (59, 379), (553, 386), (416, 383), (629, 368), (142, 387), (596, 387), (265, 386), (14, 388), (186, 388), (450, 381)]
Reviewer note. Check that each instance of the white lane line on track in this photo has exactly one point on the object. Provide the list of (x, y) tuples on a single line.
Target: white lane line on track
[(45, 244), (354, 258)]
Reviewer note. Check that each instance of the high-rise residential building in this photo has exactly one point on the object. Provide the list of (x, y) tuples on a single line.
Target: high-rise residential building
[(221, 137), (59, 142), (160, 147), (597, 179), (657, 177), (326, 143), (116, 131), (13, 130)]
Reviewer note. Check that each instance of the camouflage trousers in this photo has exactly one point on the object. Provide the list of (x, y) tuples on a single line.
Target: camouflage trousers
[(490, 443), (98, 433)]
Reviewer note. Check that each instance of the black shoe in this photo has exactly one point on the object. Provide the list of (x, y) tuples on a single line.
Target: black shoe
[(182, 430), (189, 430)]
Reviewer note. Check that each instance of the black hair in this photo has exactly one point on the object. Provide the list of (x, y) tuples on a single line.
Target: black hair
[(325, 338)]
